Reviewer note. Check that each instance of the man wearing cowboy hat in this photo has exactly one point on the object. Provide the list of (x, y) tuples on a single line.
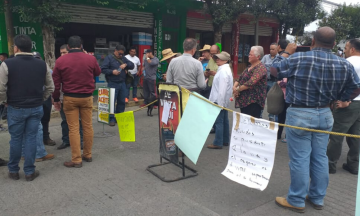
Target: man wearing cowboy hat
[(205, 56), (220, 94), (168, 55)]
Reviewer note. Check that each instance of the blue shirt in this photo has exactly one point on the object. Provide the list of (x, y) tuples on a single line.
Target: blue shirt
[(268, 61), (316, 77)]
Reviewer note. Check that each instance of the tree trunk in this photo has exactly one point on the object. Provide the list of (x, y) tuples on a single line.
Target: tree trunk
[(49, 46), (10, 33), (217, 33), (256, 31), (284, 31)]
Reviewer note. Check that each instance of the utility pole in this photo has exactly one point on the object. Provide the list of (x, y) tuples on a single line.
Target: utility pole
[(9, 26)]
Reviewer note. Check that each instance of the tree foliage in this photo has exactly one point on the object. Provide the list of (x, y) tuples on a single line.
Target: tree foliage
[(344, 21), (305, 39), (223, 11), (294, 15)]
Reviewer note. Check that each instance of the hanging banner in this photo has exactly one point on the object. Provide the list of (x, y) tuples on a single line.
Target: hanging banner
[(169, 97), (251, 151), (104, 105)]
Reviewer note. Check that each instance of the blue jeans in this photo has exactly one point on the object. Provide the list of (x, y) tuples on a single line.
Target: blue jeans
[(271, 116), (23, 122), (120, 95), (133, 84), (307, 153), (65, 128), (40, 148), (222, 133)]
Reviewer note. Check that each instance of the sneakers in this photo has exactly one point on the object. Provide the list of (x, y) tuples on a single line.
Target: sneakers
[(112, 124), (46, 157), (49, 142), (126, 100), (282, 202), (136, 100)]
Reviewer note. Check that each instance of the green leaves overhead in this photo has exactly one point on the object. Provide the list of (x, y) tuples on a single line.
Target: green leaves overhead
[(344, 20)]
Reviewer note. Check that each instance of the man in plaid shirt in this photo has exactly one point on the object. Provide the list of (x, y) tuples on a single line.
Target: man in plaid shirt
[(314, 79)]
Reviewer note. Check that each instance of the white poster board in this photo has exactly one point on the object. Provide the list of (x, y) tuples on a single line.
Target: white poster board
[(251, 151), (105, 104)]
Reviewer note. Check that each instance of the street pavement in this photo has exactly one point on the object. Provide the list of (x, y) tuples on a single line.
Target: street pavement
[(117, 183)]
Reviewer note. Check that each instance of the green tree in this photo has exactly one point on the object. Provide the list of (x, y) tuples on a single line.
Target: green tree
[(294, 15), (305, 39), (344, 21), (223, 11)]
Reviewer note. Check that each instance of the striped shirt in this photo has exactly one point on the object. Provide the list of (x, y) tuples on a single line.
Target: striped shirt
[(317, 77)]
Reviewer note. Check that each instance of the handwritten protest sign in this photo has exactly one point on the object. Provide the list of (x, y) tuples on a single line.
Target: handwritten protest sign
[(126, 126), (251, 151)]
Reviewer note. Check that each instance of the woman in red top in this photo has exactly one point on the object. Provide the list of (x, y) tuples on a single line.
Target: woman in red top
[(250, 89)]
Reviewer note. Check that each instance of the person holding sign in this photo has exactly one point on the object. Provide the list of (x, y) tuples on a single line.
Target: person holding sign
[(250, 89), (314, 79), (220, 93)]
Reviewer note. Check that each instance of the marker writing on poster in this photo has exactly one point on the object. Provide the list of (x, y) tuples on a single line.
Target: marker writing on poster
[(252, 151)]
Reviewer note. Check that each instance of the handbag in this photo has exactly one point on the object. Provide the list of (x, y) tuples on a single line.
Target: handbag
[(275, 100), (129, 77)]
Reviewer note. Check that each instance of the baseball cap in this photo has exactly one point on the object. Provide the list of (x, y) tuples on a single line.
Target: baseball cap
[(223, 56), (36, 55)]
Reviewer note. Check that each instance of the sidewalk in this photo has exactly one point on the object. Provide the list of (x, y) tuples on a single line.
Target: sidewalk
[(117, 183)]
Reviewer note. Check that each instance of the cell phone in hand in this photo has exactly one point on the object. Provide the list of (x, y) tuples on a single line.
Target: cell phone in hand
[(207, 70)]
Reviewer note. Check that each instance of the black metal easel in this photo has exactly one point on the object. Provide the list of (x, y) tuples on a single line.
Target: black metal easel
[(181, 164)]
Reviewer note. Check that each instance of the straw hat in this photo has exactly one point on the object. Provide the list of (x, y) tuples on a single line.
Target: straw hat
[(167, 53), (205, 48)]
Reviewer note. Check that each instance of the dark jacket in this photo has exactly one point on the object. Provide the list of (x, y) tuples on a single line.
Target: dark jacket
[(26, 78), (75, 74), (110, 63)]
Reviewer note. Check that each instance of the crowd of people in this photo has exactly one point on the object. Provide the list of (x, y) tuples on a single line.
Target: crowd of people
[(321, 91)]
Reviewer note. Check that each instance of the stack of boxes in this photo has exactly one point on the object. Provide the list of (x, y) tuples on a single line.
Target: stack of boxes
[(142, 38)]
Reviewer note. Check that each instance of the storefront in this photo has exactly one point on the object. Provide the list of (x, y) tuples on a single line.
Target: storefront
[(199, 26), (244, 38)]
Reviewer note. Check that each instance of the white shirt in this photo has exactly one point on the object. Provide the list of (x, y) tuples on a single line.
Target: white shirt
[(355, 61), (136, 62), (221, 90)]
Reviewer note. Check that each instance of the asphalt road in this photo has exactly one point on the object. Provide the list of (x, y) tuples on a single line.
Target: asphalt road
[(117, 183)]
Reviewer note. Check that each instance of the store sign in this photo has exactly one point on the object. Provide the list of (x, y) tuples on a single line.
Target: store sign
[(158, 39), (104, 105), (33, 30), (169, 96)]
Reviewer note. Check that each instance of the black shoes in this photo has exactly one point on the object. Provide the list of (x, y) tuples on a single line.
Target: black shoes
[(63, 146), (3, 162), (347, 168), (14, 176), (49, 142), (32, 176)]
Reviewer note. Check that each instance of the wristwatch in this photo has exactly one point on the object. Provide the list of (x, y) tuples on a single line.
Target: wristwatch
[(286, 53)]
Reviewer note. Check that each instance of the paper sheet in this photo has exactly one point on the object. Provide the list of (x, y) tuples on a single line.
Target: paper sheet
[(126, 125), (166, 111), (194, 127), (251, 151), (112, 100)]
